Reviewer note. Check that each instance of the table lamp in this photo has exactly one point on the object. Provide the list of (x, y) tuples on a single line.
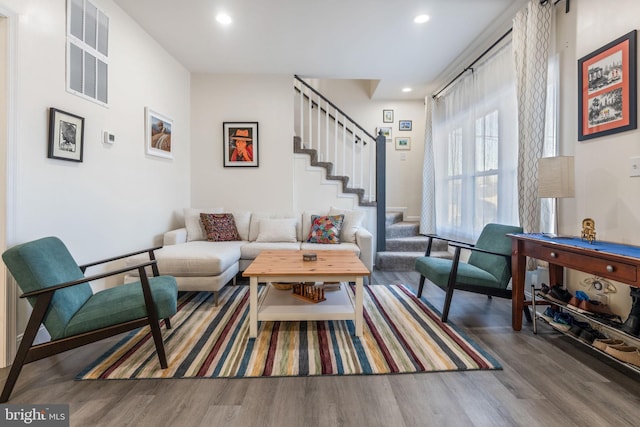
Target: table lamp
[(556, 179)]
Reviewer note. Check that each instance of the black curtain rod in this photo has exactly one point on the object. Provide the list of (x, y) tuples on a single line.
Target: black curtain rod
[(470, 66)]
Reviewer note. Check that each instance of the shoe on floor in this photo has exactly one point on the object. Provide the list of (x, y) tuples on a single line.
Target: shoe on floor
[(601, 344), (625, 353)]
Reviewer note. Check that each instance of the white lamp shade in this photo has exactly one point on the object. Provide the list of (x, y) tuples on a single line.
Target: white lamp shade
[(556, 177)]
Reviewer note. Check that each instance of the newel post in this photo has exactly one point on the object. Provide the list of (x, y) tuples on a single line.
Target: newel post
[(381, 189)]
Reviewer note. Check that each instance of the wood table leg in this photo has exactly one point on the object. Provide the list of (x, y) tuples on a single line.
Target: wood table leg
[(253, 307), (556, 275), (518, 268), (359, 306)]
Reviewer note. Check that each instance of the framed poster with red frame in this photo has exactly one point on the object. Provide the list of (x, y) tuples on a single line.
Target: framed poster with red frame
[(607, 97)]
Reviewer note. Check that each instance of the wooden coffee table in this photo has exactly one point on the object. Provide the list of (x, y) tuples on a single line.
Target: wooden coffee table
[(288, 266)]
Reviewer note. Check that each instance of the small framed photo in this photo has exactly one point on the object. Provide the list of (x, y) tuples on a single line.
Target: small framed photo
[(607, 91), (66, 136), (158, 134), (403, 143), (387, 116), (404, 125), (386, 131), (240, 144)]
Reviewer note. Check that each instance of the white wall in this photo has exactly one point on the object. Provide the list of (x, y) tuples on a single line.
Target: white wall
[(404, 168), (604, 190), (118, 199), (266, 99)]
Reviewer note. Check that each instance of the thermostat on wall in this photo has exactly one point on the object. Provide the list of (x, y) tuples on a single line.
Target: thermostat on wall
[(108, 138)]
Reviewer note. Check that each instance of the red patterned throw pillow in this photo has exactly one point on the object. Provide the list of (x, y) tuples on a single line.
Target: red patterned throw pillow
[(219, 227), (325, 229)]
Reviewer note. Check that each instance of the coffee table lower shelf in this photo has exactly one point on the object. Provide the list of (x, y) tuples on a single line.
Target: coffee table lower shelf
[(282, 305)]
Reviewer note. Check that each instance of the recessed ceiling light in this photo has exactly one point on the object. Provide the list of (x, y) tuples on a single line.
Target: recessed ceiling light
[(421, 19), (407, 89), (223, 18)]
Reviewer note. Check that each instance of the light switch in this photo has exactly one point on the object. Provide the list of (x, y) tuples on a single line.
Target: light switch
[(634, 166)]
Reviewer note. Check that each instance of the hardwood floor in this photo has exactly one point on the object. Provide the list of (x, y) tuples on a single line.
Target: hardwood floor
[(547, 380)]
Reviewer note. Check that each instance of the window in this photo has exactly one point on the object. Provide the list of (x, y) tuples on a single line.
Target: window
[(87, 51), (475, 148)]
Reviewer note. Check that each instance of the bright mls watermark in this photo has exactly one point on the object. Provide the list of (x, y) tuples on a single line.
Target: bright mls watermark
[(34, 415)]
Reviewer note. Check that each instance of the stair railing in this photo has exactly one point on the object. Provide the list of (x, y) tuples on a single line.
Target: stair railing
[(337, 139)]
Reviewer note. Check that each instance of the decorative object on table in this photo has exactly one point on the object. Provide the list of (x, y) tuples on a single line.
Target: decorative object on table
[(387, 116), (240, 144), (158, 134), (66, 136), (588, 230), (309, 256), (556, 179), (607, 100), (405, 125), (201, 327), (386, 131), (403, 143), (309, 292)]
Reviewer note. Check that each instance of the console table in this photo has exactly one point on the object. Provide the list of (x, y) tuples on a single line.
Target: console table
[(604, 259)]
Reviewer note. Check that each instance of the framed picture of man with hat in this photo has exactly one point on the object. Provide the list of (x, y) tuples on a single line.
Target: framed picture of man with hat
[(240, 144)]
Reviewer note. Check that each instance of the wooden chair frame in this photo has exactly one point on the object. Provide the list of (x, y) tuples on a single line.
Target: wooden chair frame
[(452, 284), (28, 353)]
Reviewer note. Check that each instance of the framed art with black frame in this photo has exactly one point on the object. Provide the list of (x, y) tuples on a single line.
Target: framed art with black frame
[(66, 136), (240, 144), (607, 97)]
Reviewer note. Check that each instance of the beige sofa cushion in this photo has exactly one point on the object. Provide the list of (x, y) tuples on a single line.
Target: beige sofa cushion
[(252, 249), (352, 222), (200, 258), (243, 219), (254, 226), (313, 247), (277, 230)]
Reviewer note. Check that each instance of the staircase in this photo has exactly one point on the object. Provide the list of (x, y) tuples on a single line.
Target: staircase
[(328, 166), (335, 142), (405, 244)]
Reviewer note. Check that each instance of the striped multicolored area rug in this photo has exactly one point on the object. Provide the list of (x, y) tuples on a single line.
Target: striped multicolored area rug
[(402, 334)]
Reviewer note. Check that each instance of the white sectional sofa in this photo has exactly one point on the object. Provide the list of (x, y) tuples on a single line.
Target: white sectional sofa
[(202, 265)]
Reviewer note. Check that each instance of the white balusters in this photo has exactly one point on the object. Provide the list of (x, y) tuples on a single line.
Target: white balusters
[(336, 139)]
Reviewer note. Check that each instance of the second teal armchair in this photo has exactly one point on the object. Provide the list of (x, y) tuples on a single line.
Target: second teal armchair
[(488, 270)]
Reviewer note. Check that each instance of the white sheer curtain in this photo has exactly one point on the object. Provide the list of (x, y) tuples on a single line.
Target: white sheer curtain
[(428, 212), (475, 149)]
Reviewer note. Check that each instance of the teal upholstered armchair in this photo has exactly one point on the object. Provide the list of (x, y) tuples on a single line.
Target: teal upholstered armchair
[(488, 270), (65, 304)]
